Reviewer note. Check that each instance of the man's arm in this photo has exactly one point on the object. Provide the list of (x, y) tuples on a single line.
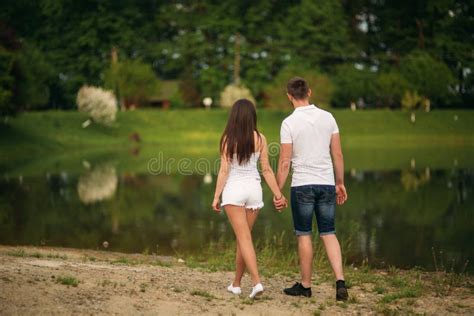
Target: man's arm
[(338, 163)]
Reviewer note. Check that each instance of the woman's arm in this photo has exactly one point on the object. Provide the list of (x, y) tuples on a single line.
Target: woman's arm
[(284, 162), (221, 180), (267, 171)]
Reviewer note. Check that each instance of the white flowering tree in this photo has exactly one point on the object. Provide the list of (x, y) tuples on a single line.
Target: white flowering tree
[(100, 104), (234, 92)]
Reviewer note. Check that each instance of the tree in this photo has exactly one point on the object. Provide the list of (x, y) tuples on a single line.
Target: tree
[(33, 74), (315, 33), (390, 88), (6, 83), (320, 84), (429, 77), (353, 84), (99, 104), (133, 80)]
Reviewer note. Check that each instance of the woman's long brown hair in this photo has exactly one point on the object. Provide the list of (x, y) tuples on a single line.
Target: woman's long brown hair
[(238, 136)]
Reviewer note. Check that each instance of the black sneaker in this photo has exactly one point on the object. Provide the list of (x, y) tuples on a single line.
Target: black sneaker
[(341, 291), (298, 290)]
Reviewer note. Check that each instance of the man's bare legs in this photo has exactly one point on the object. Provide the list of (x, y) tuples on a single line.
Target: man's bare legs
[(305, 252), (333, 250)]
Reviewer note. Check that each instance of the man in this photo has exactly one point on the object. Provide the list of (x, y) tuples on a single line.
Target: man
[(309, 138)]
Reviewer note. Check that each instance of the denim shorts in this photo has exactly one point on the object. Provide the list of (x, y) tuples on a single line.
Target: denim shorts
[(320, 199)]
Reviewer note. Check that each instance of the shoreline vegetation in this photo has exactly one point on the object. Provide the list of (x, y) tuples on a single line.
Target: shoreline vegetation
[(61, 280)]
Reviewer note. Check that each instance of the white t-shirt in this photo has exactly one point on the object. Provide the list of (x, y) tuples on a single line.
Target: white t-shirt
[(310, 129)]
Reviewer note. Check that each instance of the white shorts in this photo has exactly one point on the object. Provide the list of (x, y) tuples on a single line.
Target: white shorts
[(246, 193)]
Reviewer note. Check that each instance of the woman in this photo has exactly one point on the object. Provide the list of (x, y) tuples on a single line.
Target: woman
[(241, 146)]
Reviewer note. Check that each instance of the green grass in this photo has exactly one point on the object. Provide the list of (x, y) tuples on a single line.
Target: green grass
[(377, 139), (407, 292), (204, 294), (379, 289), (67, 280), (23, 253)]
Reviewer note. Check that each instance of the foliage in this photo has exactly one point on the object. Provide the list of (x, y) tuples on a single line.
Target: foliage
[(234, 92), (133, 81), (429, 77), (315, 33), (6, 80), (24, 80), (411, 99), (100, 104), (195, 41), (33, 74), (353, 84), (390, 88), (319, 83)]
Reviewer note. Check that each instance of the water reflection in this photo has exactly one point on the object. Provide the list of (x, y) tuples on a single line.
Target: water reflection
[(97, 184), (392, 217)]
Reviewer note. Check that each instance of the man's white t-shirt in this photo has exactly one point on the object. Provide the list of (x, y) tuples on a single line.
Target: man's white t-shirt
[(310, 129)]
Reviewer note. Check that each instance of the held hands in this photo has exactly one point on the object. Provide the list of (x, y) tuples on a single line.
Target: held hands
[(215, 205), (341, 194), (280, 202)]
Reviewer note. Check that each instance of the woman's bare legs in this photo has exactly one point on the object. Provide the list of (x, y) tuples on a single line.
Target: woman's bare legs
[(238, 219), (239, 260)]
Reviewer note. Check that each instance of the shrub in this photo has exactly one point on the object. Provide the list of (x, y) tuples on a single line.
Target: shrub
[(410, 100), (233, 93), (390, 88), (132, 80), (353, 84), (429, 77), (100, 104), (319, 83)]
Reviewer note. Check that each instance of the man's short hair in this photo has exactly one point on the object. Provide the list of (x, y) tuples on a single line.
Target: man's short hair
[(298, 88)]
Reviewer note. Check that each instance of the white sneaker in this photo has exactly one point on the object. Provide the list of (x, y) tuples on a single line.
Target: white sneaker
[(234, 289), (256, 290)]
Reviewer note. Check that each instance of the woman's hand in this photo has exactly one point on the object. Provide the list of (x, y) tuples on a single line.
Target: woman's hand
[(280, 202), (215, 205)]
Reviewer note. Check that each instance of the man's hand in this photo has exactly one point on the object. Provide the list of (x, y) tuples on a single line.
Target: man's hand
[(341, 194), (215, 205), (280, 203)]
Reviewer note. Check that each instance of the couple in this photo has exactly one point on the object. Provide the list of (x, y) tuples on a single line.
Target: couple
[(309, 138)]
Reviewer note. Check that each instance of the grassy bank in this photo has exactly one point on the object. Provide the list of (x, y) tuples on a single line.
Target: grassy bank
[(371, 139), (52, 129)]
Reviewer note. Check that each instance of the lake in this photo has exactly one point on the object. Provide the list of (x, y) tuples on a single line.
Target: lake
[(407, 214)]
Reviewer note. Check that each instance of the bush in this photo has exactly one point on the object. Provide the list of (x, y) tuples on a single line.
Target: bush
[(132, 80), (429, 77), (320, 84), (100, 104), (233, 93), (33, 76), (391, 87), (353, 84), (6, 82), (410, 100)]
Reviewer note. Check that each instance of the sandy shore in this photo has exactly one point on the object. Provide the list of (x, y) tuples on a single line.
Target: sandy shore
[(69, 281)]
